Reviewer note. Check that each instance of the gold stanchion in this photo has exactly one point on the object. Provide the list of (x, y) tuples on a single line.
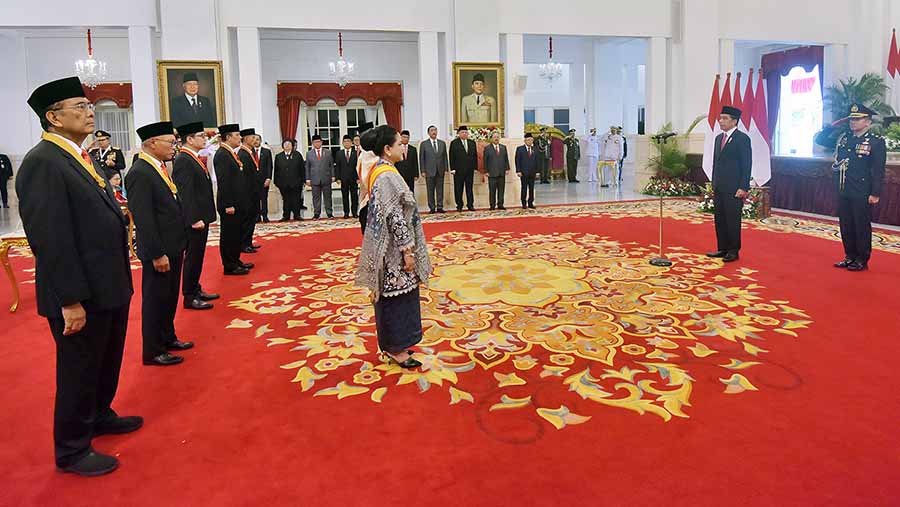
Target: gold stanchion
[(661, 261)]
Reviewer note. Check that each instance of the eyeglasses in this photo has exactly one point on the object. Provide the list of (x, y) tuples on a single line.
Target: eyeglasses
[(170, 143), (81, 107)]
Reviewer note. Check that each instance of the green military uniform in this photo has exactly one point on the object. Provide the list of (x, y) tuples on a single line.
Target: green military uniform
[(858, 171), (542, 144), (573, 155)]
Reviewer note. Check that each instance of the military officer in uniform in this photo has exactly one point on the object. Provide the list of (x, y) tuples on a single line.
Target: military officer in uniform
[(109, 157), (478, 108), (573, 155), (593, 154), (543, 145), (233, 201), (859, 170)]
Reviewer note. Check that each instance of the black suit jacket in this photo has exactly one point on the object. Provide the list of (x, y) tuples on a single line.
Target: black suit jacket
[(232, 189), (6, 171), (194, 190), (463, 161), (289, 172), (251, 174), (182, 113), (345, 170), (731, 166), (526, 165), (265, 165), (158, 219), (409, 168), (495, 165), (76, 231)]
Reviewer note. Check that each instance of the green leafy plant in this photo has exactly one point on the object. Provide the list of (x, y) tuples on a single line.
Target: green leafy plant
[(869, 89), (670, 160)]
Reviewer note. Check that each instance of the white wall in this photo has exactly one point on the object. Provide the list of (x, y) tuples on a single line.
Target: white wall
[(65, 13), (617, 87), (790, 20)]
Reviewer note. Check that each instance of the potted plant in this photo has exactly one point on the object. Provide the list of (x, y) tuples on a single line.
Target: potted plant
[(669, 166)]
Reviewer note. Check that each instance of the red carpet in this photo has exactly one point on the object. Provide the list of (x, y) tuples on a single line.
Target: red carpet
[(811, 416)]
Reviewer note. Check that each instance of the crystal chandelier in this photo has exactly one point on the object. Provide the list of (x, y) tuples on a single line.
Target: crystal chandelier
[(341, 70), (91, 72), (551, 71)]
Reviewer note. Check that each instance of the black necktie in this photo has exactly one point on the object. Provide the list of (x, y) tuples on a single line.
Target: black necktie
[(194, 104)]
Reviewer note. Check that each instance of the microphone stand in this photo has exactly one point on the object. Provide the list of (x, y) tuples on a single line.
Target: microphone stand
[(661, 260)]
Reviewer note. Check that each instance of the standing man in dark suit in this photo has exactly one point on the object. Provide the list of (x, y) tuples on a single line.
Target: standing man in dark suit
[(408, 166), (433, 163), (496, 164), (859, 169), (527, 168), (290, 173), (6, 174), (191, 107), (250, 167), (195, 192), (732, 161), (77, 234), (109, 157), (320, 176), (463, 164), (161, 240), (232, 200), (264, 155), (345, 169)]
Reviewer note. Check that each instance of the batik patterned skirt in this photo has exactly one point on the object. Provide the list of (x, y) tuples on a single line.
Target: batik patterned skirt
[(398, 320)]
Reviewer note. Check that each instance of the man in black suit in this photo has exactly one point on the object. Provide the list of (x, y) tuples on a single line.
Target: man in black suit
[(463, 163), (6, 174), (732, 161), (496, 165), (161, 240), (190, 106), (345, 170), (109, 157), (77, 233), (290, 173), (527, 167), (232, 199), (196, 195), (250, 167), (408, 166), (264, 177)]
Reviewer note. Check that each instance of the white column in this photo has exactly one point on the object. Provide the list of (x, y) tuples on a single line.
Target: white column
[(695, 59), (656, 84), (429, 84), (590, 96), (514, 57), (143, 76), (250, 73), (835, 69), (23, 127), (726, 57), (576, 96)]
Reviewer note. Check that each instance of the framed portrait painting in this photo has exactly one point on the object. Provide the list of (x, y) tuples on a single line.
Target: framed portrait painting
[(478, 94), (191, 91)]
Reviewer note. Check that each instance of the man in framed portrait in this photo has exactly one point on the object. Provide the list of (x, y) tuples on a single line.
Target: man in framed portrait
[(478, 108), (190, 106)]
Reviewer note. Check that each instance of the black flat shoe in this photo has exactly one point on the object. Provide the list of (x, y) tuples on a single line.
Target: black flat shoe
[(248, 250), (844, 263), (857, 266), (247, 265), (92, 465), (237, 272), (531, 206), (303, 207), (207, 296), (180, 345), (119, 425), (196, 304), (730, 257), (501, 208), (716, 255), (164, 359)]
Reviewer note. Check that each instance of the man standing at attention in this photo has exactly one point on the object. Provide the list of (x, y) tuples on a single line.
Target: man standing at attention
[(732, 161), (433, 162), (110, 158), (320, 176), (290, 173), (232, 200), (345, 169), (543, 147), (463, 164), (250, 167), (496, 164), (527, 170), (593, 155), (409, 164), (264, 177), (573, 155)]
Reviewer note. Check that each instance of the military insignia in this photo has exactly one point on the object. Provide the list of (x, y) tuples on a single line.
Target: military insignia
[(864, 149), (854, 109)]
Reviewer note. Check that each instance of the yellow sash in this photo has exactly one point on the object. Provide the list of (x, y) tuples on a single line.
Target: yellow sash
[(378, 171), (59, 141), (162, 174)]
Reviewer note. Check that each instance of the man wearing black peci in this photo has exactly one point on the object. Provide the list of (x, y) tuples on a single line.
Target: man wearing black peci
[(161, 241), (263, 177), (232, 199), (250, 168), (77, 233), (408, 166), (190, 106), (732, 161), (194, 184), (527, 168), (345, 171), (290, 173), (463, 164)]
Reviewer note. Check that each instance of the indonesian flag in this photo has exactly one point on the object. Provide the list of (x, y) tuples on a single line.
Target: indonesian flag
[(738, 101), (758, 116), (713, 130), (893, 69)]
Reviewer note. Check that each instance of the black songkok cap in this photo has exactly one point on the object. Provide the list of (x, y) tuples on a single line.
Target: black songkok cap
[(317, 137), (248, 132), (478, 77), (528, 135), (50, 93), (229, 128), (732, 111), (190, 128), (462, 128), (189, 76), (160, 128), (365, 126), (404, 133)]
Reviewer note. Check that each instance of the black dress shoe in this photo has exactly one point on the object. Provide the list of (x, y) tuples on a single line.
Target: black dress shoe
[(284, 220), (575, 181), (303, 207), (441, 210), (196, 304), (207, 296), (531, 206), (315, 217), (180, 345), (459, 209), (266, 219), (492, 208), (346, 215), (356, 215), (119, 425), (524, 206), (730, 257), (844, 263), (471, 208), (857, 266), (92, 465), (247, 265), (237, 271), (717, 254), (164, 359), (501, 208), (248, 250)]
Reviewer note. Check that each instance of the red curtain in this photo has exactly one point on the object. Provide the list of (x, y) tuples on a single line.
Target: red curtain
[(290, 95), (776, 65), (120, 93)]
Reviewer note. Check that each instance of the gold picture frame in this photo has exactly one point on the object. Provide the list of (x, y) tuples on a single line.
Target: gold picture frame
[(487, 111), (209, 96)]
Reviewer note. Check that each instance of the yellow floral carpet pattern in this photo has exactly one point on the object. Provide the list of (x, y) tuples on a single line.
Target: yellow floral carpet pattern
[(580, 314)]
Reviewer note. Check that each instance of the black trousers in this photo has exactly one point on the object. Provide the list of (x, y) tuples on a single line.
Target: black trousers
[(193, 262), (87, 376), (290, 202), (4, 192), (464, 180), (855, 214), (544, 164), (572, 168), (159, 294), (264, 203), (411, 183), (248, 227), (496, 190), (528, 189), (728, 221), (350, 197), (230, 239)]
